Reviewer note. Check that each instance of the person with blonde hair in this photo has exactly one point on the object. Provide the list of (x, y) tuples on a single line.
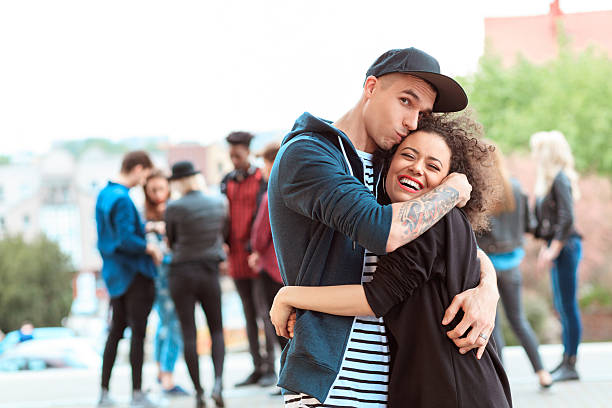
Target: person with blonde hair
[(556, 189), (194, 224), (503, 243)]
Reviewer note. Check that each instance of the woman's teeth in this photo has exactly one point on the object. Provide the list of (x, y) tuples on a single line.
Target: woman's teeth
[(409, 183)]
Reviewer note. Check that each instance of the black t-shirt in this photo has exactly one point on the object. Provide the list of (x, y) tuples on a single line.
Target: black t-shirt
[(412, 288)]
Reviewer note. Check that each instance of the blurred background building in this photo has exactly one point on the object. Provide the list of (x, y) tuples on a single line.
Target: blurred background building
[(536, 38)]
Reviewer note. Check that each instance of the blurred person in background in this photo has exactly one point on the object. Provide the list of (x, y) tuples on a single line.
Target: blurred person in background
[(556, 189), (26, 331), (243, 187), (263, 258), (194, 225), (128, 270), (503, 243), (168, 342)]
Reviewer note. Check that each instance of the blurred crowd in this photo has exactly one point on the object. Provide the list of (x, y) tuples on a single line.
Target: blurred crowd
[(168, 256)]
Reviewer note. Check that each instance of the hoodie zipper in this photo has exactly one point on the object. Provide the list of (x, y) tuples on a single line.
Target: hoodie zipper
[(348, 163)]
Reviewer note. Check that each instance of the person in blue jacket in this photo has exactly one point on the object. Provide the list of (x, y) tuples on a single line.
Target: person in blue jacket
[(328, 229), (128, 270)]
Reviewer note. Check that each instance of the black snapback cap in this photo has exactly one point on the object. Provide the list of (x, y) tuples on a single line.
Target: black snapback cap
[(450, 95)]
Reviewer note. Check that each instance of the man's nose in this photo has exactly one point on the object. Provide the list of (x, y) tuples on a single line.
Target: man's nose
[(411, 120)]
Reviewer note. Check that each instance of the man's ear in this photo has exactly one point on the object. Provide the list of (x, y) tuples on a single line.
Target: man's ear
[(369, 86), (137, 169)]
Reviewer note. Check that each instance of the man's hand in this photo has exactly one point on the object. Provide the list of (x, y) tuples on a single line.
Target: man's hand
[(479, 306), (223, 268), (459, 182), (155, 253), (253, 260), (281, 314)]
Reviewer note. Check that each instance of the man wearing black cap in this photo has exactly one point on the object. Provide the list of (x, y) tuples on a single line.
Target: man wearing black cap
[(328, 228), (243, 187)]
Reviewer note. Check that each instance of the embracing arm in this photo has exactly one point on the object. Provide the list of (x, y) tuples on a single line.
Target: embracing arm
[(479, 306), (342, 300), (313, 182), (412, 218)]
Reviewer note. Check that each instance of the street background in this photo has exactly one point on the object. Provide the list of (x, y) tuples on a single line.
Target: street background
[(71, 388)]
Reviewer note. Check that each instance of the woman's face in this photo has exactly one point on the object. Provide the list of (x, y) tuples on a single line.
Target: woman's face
[(419, 165), (157, 190)]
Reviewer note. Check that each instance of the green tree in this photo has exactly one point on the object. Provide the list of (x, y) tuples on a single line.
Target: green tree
[(35, 282), (572, 93)]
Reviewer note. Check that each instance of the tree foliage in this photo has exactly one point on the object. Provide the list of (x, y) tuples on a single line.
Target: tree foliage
[(572, 93), (77, 147), (35, 282)]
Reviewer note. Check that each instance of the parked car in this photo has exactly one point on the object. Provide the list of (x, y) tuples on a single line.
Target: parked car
[(51, 347)]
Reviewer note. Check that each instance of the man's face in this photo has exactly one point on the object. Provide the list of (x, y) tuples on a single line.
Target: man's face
[(394, 103), (138, 175), (239, 155), (266, 169)]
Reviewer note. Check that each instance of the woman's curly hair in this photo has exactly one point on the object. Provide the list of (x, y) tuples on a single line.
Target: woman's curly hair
[(469, 155)]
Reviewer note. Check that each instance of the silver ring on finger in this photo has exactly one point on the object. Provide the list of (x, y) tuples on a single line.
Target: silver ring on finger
[(484, 336)]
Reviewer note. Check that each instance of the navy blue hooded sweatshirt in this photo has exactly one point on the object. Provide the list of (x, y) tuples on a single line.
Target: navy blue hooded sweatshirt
[(322, 218)]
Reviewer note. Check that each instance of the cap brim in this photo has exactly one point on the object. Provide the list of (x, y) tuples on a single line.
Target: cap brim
[(451, 96)]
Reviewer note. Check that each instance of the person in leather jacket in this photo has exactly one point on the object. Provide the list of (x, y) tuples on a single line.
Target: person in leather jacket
[(556, 190), (503, 243)]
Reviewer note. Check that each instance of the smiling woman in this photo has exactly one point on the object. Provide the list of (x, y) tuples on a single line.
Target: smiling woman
[(413, 169)]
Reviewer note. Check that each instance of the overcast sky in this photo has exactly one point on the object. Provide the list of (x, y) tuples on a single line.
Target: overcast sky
[(195, 70)]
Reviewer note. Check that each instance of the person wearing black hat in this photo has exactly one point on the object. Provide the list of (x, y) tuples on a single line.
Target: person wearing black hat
[(194, 224), (244, 187), (328, 227)]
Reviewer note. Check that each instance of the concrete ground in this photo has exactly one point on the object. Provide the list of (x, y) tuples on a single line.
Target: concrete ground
[(72, 388)]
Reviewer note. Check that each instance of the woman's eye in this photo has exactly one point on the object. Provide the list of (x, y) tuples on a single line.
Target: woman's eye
[(433, 166), (405, 101), (408, 156)]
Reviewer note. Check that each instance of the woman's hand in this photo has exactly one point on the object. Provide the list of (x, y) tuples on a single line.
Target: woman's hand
[(545, 259), (548, 254), (281, 315), (156, 226)]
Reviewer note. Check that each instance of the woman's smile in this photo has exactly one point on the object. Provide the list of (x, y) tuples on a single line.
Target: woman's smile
[(410, 184)]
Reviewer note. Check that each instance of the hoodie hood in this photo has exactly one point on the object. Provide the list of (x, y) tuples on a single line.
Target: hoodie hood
[(323, 128)]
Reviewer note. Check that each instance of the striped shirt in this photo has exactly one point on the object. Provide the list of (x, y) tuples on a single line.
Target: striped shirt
[(363, 378)]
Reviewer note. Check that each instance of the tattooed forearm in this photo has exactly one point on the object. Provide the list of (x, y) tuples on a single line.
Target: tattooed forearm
[(418, 215)]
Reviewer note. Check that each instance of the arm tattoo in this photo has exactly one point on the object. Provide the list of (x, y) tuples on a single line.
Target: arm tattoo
[(418, 215)]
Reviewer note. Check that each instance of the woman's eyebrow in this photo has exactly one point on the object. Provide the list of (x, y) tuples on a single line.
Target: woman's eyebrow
[(417, 152)]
